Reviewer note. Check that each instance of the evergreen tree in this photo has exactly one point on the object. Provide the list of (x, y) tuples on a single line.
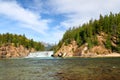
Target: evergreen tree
[(87, 33), (17, 40)]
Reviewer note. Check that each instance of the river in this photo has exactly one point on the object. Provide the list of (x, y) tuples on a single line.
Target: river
[(48, 68)]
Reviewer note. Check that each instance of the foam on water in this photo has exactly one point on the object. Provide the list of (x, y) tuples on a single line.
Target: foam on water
[(40, 54)]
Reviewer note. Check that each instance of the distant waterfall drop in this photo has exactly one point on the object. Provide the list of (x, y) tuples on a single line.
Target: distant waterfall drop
[(40, 54)]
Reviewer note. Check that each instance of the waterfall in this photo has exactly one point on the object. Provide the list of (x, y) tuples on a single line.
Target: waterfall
[(40, 54)]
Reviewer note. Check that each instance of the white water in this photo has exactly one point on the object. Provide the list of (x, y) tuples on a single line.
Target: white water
[(40, 54)]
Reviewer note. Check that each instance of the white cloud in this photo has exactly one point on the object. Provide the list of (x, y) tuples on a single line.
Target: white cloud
[(25, 17), (56, 35), (78, 12), (81, 11), (75, 12), (53, 37), (82, 6)]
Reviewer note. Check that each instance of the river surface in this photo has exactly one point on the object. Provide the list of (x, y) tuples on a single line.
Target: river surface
[(60, 69)]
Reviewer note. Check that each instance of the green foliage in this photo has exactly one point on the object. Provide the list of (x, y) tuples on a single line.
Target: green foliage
[(78, 39), (67, 41), (18, 40), (109, 24), (95, 41), (89, 41), (108, 42)]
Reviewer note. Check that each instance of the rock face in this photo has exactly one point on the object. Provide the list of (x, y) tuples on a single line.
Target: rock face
[(82, 51), (73, 49), (67, 50), (8, 51)]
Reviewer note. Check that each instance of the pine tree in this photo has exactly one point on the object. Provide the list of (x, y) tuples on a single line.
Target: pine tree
[(87, 33)]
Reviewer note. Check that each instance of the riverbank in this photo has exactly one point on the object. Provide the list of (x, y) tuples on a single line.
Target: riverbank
[(96, 56), (109, 55)]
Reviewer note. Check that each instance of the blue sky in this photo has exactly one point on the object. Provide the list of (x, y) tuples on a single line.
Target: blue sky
[(47, 20)]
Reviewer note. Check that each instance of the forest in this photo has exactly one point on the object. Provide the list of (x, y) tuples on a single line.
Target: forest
[(17, 40), (87, 33)]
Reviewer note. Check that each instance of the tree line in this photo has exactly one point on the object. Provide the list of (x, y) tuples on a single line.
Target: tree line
[(87, 33), (17, 40)]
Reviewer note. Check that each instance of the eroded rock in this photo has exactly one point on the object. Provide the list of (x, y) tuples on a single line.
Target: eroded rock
[(8, 51)]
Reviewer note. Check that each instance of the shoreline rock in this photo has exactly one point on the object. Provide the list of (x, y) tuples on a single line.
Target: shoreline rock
[(72, 50), (10, 51)]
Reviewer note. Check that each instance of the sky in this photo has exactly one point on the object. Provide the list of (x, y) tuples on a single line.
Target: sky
[(47, 20)]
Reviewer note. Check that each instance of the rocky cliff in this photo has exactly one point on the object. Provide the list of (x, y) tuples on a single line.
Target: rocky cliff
[(96, 37), (72, 49), (10, 51), (14, 45)]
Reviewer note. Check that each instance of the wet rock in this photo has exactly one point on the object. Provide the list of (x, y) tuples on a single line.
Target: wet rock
[(52, 55), (60, 54), (59, 72)]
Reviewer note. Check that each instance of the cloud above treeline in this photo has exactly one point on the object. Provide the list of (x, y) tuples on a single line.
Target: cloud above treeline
[(23, 16), (80, 11), (52, 17)]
